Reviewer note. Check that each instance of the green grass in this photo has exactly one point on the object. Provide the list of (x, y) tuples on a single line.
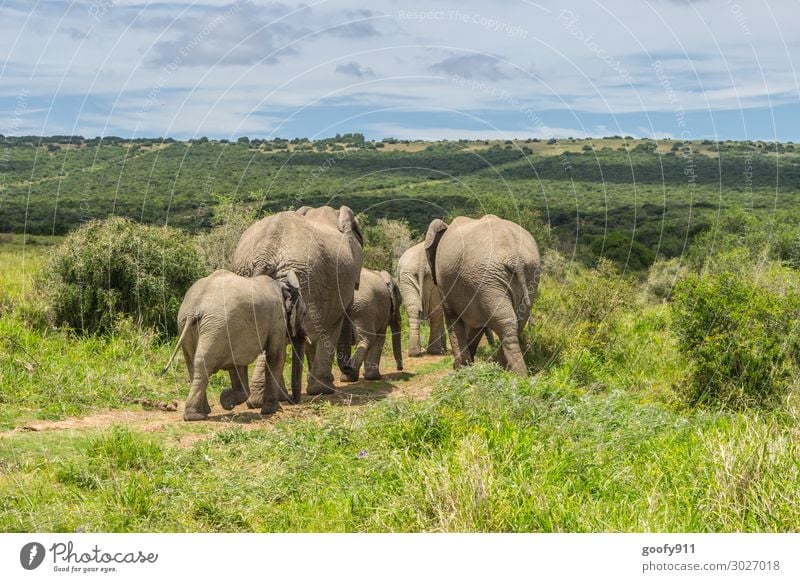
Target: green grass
[(487, 452)]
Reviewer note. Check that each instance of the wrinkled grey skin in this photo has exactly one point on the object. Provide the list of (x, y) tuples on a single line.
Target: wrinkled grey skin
[(422, 300), (323, 246), (376, 306), (227, 321), (487, 271)]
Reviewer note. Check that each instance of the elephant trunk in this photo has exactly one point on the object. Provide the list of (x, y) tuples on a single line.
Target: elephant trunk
[(298, 354), (397, 347), (345, 344)]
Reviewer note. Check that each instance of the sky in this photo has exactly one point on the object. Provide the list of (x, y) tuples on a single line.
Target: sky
[(435, 69)]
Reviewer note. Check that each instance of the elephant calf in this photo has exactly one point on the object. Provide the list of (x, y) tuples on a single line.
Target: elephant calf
[(376, 306), (225, 322)]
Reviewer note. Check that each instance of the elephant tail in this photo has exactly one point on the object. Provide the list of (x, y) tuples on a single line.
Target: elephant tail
[(177, 345)]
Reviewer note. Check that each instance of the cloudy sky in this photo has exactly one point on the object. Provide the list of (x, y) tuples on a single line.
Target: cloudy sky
[(430, 69)]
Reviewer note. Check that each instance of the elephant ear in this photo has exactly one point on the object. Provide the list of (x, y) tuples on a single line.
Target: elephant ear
[(303, 210), (436, 230), (348, 221)]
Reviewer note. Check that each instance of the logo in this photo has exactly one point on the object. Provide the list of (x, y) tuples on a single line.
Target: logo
[(31, 555)]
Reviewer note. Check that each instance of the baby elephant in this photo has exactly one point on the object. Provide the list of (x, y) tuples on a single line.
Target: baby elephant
[(376, 306), (225, 322)]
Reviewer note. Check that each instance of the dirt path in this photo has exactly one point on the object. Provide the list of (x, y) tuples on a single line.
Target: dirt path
[(416, 381)]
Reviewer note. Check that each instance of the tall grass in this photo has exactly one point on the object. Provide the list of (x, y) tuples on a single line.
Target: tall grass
[(487, 452)]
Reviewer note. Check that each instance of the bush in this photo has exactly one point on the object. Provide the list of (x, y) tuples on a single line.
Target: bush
[(216, 247), (577, 314), (384, 242), (662, 277), (741, 338), (112, 267), (554, 265)]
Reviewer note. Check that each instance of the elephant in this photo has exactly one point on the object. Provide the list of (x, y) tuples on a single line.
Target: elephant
[(487, 271), (323, 246), (376, 306), (422, 300), (226, 321)]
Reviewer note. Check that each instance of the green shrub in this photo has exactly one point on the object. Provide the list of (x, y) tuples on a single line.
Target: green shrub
[(741, 337), (384, 242), (554, 265), (216, 247), (577, 314), (662, 277), (117, 267)]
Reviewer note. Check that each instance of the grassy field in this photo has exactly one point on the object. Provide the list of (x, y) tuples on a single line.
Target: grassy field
[(596, 439)]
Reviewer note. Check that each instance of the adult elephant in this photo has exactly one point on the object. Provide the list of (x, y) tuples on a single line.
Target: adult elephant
[(487, 271), (323, 246), (422, 300)]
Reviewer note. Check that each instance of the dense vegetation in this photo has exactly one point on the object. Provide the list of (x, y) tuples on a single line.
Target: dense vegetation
[(626, 200)]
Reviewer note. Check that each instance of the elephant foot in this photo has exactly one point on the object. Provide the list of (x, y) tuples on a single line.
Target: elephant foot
[(190, 415), (437, 351), (255, 401), (319, 388), (270, 408), (348, 376), (373, 376), (230, 398), (415, 352)]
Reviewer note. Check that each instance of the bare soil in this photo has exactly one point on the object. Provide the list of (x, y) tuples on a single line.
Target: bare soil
[(413, 382)]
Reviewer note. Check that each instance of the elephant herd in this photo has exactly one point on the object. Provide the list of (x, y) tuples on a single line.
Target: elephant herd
[(298, 279)]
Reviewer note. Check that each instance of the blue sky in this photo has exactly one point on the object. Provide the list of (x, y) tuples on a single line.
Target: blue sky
[(720, 69)]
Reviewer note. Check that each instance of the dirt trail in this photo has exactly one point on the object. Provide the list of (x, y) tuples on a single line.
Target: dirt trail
[(415, 382)]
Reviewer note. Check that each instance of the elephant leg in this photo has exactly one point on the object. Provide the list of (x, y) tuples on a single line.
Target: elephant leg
[(274, 362), (239, 392), (372, 366), (258, 384), (197, 407), (458, 339), (355, 363), (474, 336), (414, 346), (320, 377), (189, 359), (437, 344), (510, 355)]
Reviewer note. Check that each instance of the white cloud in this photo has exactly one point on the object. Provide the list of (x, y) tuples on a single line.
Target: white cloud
[(269, 56)]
